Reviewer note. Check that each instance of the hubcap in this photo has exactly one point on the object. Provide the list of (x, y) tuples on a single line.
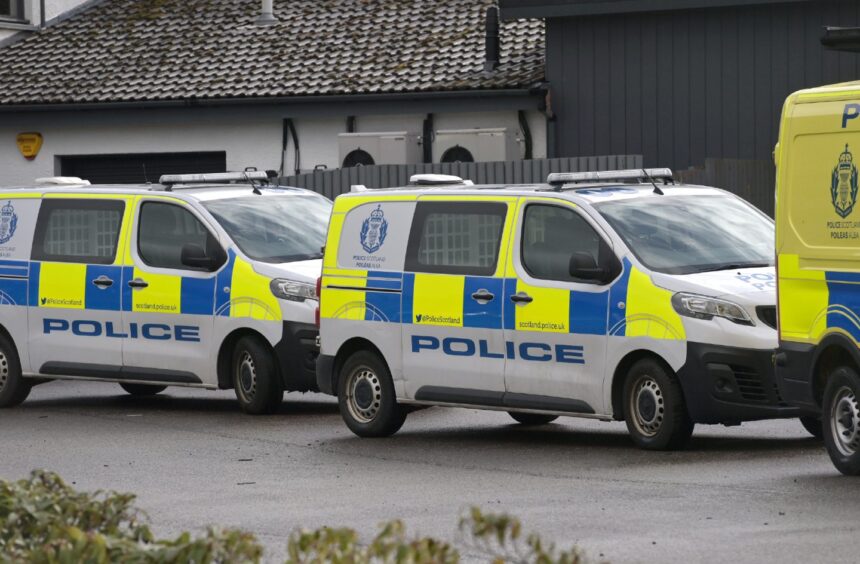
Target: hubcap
[(647, 406), (4, 370), (845, 421), (363, 395), (247, 376)]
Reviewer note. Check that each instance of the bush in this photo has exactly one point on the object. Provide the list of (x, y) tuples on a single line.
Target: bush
[(43, 520), (497, 537)]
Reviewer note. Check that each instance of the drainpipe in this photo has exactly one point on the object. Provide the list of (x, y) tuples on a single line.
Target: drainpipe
[(492, 49), (42, 14), (266, 17)]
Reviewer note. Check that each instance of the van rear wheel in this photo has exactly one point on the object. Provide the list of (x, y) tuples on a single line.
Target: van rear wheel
[(256, 380), (366, 397), (841, 417), (142, 390), (13, 388), (654, 407), (532, 419)]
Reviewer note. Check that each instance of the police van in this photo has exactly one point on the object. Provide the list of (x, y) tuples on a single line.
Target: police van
[(818, 250), (204, 281), (617, 295)]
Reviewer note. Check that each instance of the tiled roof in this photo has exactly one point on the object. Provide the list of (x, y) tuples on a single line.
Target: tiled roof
[(146, 50)]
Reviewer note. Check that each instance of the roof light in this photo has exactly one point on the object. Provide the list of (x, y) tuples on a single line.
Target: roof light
[(62, 181), (214, 177), (437, 180), (634, 174)]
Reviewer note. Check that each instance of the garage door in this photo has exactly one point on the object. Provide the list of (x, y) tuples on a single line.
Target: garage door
[(141, 167)]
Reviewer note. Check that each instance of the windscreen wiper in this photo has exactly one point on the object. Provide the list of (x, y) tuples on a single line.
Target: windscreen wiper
[(734, 265)]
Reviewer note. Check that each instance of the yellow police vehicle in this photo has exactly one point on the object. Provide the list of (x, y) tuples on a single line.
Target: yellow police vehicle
[(615, 295), (204, 281), (818, 252)]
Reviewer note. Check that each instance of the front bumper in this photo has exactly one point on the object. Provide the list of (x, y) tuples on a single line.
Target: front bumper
[(297, 353), (730, 385)]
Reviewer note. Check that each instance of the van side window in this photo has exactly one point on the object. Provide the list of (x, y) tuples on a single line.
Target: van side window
[(78, 231), (551, 236), (163, 229), (456, 237)]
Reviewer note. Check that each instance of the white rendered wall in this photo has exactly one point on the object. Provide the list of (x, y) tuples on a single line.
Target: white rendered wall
[(250, 136), (53, 9)]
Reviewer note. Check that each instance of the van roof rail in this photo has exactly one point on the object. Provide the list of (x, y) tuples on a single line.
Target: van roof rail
[(629, 175)]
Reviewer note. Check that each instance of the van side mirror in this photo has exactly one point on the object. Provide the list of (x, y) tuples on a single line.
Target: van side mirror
[(584, 267), (194, 256)]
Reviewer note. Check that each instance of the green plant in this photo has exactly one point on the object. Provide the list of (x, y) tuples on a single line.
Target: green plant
[(499, 537), (43, 520)]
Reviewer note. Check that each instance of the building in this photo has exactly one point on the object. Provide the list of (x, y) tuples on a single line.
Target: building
[(683, 82), (20, 17), (125, 90)]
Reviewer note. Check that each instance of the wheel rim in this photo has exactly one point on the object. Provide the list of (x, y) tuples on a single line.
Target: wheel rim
[(247, 376), (647, 406), (845, 421), (363, 394), (4, 370)]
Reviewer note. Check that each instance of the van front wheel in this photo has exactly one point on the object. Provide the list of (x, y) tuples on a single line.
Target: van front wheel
[(366, 397), (841, 418), (654, 407), (255, 377), (13, 388)]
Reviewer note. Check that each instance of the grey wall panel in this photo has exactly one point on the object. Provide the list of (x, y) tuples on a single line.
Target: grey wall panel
[(683, 86)]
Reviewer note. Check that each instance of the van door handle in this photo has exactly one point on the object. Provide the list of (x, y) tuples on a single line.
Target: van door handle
[(103, 282), (483, 296), (138, 283), (521, 298)]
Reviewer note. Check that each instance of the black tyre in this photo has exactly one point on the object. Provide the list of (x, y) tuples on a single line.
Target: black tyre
[(13, 388), (813, 425), (654, 407), (841, 417), (365, 394), (142, 390), (256, 379), (532, 419)]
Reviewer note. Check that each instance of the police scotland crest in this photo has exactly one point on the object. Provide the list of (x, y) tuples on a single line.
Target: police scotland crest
[(8, 223), (843, 184), (373, 230)]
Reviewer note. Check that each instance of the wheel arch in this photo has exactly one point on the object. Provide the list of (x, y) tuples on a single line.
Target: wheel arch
[(347, 349), (225, 353), (620, 375), (834, 350)]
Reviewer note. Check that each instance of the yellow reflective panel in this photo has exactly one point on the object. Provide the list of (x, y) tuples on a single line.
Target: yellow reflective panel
[(343, 304), (803, 300), (62, 285), (251, 294), (649, 310), (548, 312), (343, 205), (438, 300), (162, 295)]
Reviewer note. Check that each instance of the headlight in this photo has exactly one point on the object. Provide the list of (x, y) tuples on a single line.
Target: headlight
[(293, 290), (703, 307)]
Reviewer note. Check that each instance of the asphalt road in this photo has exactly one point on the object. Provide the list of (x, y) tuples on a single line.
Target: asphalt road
[(763, 492)]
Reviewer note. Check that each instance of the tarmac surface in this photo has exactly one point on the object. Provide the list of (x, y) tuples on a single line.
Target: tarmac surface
[(762, 492)]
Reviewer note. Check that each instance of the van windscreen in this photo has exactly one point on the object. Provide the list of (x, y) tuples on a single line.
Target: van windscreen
[(275, 229), (688, 234)]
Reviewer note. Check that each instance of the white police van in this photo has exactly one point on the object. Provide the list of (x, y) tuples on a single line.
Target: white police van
[(612, 295), (204, 281)]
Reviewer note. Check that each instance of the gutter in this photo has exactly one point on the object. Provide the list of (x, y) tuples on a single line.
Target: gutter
[(335, 98), (842, 39)]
